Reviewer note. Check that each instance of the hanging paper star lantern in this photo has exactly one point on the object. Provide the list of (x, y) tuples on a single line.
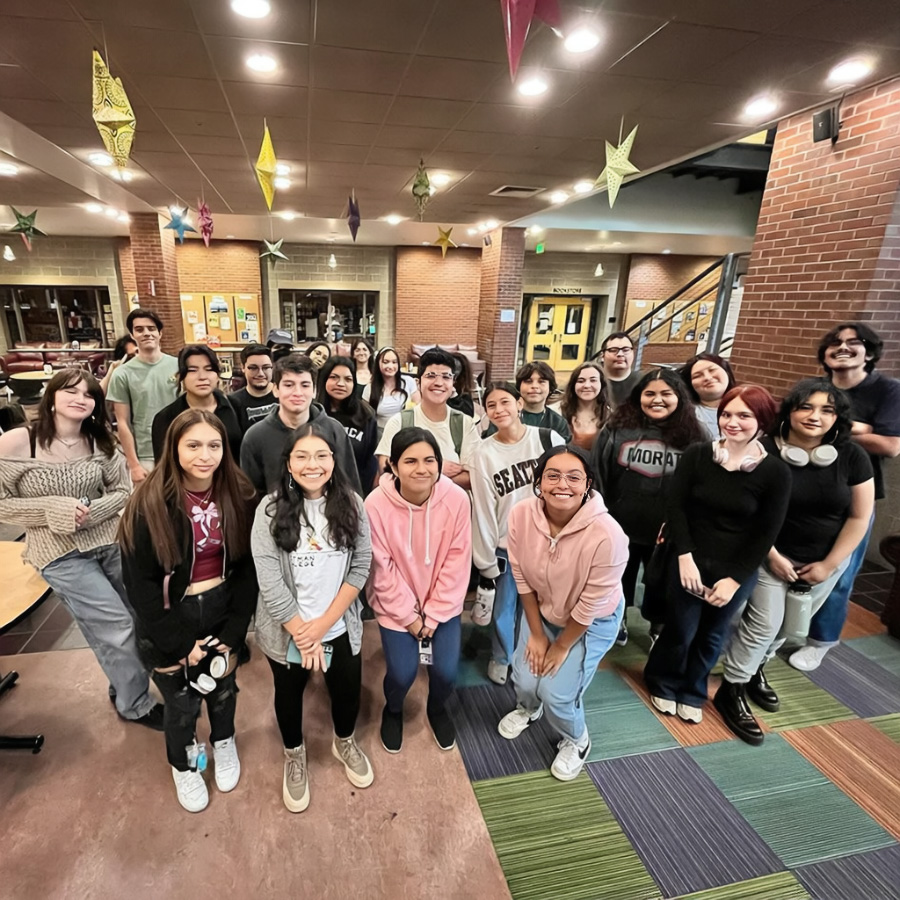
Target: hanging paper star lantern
[(205, 221), (517, 16), (444, 241), (179, 225), (25, 228), (617, 167), (112, 113), (265, 168), (353, 219), (273, 251), (421, 189)]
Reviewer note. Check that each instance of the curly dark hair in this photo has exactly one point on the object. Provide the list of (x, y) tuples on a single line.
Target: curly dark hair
[(839, 433), (286, 507), (568, 406), (583, 458), (874, 344), (681, 428)]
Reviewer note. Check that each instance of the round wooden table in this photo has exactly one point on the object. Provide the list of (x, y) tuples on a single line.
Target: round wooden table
[(27, 386)]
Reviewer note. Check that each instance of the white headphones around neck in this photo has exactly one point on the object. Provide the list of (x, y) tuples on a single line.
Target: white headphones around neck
[(821, 456), (748, 463)]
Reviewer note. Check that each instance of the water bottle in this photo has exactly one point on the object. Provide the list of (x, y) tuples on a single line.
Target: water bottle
[(797, 611)]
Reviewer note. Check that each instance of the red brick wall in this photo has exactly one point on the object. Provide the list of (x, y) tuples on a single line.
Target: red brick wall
[(224, 266), (828, 243), (501, 288), (436, 299), (656, 277), (126, 267)]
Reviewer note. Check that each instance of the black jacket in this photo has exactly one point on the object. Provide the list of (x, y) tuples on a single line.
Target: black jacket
[(224, 412), (151, 589)]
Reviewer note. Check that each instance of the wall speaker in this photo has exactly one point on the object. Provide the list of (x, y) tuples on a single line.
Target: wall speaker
[(827, 124)]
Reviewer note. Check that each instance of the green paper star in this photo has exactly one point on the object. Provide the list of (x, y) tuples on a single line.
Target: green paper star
[(617, 167), (25, 227), (273, 250)]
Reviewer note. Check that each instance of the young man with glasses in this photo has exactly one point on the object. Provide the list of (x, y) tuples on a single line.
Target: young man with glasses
[(617, 360), (256, 400), (849, 354), (456, 434)]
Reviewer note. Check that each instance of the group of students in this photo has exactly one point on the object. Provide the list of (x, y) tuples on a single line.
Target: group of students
[(293, 498)]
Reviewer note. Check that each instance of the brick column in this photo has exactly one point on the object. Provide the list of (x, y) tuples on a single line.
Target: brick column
[(827, 247), (501, 289), (156, 275)]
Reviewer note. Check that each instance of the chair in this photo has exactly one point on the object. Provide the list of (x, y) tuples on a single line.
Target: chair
[(32, 742)]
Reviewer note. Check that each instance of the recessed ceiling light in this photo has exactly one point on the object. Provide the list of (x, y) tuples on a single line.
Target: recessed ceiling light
[(393, 219), (100, 159), (667, 250), (533, 86), (850, 71), (491, 224), (583, 187), (426, 243), (760, 107), (282, 169), (288, 216), (262, 62), (472, 231), (439, 178), (93, 207), (112, 213), (581, 40), (124, 217), (251, 9), (559, 197), (229, 235), (121, 175), (282, 183), (8, 169)]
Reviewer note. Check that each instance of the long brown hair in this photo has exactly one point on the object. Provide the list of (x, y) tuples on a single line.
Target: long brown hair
[(568, 406), (95, 427), (158, 500)]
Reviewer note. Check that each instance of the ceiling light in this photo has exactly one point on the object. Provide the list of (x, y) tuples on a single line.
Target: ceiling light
[(93, 207), (599, 270), (491, 224), (124, 217), (850, 71), (532, 87), (583, 187), (112, 213), (581, 40), (393, 219), (8, 169), (760, 107), (439, 178), (536, 229), (426, 243), (8, 254), (251, 9), (287, 216), (282, 183), (100, 159), (262, 62), (472, 231), (559, 197), (432, 190), (282, 169), (122, 175), (667, 250)]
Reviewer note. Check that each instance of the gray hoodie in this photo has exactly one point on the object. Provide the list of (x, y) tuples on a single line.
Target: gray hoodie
[(278, 592)]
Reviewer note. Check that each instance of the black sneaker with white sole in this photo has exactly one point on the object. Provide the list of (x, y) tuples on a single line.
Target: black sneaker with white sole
[(391, 731), (442, 728)]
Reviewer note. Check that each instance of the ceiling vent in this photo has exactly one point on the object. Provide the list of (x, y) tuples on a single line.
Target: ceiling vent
[(516, 191)]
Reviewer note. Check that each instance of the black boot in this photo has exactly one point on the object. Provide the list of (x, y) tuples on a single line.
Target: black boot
[(761, 692), (731, 702)]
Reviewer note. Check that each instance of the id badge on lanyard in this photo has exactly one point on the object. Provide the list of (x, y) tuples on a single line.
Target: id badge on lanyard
[(426, 654)]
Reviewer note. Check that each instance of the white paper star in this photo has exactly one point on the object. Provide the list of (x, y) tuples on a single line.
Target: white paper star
[(617, 167)]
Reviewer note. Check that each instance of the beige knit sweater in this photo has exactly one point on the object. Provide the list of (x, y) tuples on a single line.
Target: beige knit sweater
[(42, 496)]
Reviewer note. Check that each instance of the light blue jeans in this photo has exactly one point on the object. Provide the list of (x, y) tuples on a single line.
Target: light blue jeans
[(90, 584), (561, 693), (506, 614)]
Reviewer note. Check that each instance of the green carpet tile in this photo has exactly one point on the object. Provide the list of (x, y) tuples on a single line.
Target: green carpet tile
[(559, 840), (798, 812), (880, 648), (802, 702), (889, 725), (608, 691), (780, 886)]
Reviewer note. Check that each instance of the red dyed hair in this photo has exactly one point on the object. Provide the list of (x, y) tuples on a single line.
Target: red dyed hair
[(758, 400)]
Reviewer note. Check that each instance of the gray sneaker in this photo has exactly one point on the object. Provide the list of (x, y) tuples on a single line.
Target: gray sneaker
[(356, 763), (295, 787)]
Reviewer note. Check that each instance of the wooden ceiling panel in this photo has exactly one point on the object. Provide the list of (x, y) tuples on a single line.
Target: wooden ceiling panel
[(175, 92), (427, 112), (483, 26), (360, 134), (449, 79), (160, 14), (323, 151), (407, 137), (134, 52), (254, 99), (341, 69), (368, 25), (348, 106), (187, 121)]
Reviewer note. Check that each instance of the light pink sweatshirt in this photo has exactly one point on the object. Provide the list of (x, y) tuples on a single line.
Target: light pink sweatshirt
[(421, 555), (578, 573)]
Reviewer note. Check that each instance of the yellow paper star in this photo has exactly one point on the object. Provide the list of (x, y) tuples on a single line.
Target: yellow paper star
[(265, 168), (112, 112), (444, 241), (617, 167)]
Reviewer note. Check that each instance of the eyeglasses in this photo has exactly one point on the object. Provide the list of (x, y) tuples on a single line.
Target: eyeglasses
[(619, 351), (435, 376), (852, 343), (573, 478), (305, 458), (259, 368)]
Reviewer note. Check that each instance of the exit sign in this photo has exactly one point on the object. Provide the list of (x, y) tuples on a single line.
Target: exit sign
[(539, 248)]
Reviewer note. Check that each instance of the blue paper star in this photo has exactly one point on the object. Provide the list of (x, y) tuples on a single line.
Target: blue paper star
[(179, 226)]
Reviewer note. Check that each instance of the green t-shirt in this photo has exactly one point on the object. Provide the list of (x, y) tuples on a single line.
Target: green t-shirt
[(146, 388)]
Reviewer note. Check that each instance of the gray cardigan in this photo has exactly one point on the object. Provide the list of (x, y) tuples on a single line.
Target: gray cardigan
[(278, 593)]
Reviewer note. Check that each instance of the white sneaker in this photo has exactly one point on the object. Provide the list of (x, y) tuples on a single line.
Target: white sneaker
[(667, 707), (570, 760), (191, 789), (808, 658), (497, 672), (689, 713), (228, 766), (515, 722)]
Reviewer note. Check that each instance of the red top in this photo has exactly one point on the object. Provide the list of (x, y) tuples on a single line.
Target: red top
[(209, 544)]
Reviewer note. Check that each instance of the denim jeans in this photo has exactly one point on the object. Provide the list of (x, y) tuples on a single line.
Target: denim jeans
[(825, 628), (507, 613), (561, 693), (90, 585), (401, 653)]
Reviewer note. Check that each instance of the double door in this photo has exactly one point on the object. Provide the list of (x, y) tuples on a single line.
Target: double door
[(558, 331)]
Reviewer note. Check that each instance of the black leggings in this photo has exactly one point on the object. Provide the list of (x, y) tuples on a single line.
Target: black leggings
[(343, 680)]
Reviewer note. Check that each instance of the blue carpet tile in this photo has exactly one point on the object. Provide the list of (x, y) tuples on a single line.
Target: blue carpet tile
[(859, 683), (866, 876)]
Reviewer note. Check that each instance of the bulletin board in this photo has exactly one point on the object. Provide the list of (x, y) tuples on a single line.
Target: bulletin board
[(232, 318)]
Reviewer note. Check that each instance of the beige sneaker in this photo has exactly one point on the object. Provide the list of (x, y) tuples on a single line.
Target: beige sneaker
[(356, 763), (295, 787)]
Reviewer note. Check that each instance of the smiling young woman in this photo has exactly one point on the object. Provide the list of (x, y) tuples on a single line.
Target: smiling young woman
[(585, 405)]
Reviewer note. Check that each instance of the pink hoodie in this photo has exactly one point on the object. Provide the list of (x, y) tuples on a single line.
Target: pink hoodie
[(578, 573), (419, 553)]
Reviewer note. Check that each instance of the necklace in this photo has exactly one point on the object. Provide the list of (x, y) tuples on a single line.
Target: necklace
[(200, 499), (69, 444)]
